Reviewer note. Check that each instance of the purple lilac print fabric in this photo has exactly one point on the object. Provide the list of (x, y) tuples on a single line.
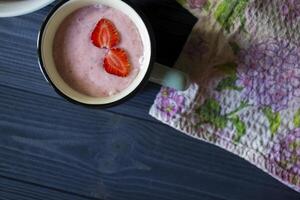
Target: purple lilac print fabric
[(290, 9), (243, 58), (196, 3), (269, 73)]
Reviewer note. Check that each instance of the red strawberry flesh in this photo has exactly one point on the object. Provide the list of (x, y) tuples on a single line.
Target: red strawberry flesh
[(105, 34), (116, 62)]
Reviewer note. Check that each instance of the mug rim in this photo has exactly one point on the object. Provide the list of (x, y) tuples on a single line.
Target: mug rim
[(106, 105)]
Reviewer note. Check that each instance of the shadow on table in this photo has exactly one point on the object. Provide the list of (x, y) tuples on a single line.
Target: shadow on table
[(172, 25)]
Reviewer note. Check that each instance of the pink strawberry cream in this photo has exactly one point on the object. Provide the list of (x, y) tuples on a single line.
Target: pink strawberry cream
[(80, 62)]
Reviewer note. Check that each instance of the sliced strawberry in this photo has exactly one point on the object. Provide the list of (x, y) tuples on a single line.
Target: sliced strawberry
[(116, 62), (105, 34)]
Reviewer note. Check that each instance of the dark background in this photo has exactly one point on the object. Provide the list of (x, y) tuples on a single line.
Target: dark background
[(51, 149)]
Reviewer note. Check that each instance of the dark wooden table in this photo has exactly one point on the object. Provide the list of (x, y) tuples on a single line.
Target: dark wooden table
[(51, 149)]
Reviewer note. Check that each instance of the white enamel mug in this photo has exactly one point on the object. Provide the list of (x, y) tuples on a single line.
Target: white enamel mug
[(149, 70)]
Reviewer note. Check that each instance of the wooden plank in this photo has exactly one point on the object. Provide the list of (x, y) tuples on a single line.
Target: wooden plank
[(20, 190), (96, 153)]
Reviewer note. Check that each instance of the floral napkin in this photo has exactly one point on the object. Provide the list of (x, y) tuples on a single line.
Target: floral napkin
[(243, 57)]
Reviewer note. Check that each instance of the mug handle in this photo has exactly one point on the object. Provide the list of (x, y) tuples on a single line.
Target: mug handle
[(169, 77)]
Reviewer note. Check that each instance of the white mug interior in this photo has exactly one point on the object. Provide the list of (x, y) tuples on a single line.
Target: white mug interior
[(46, 48)]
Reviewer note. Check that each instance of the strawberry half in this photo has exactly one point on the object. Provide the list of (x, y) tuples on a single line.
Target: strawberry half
[(105, 34), (116, 62)]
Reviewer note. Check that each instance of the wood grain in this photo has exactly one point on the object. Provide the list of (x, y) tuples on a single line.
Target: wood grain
[(11, 189), (52, 149), (108, 156)]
